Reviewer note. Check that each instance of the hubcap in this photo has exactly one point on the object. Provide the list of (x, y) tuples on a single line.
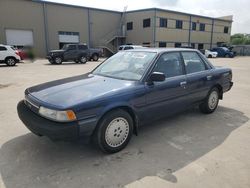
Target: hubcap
[(213, 99), (83, 59), (11, 61), (58, 60), (117, 132), (95, 58)]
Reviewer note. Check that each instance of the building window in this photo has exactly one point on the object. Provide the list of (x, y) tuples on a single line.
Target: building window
[(194, 26), (200, 46), (177, 45), (163, 22), (162, 44), (226, 29), (130, 26), (146, 22), (202, 27), (146, 44), (193, 45), (179, 24)]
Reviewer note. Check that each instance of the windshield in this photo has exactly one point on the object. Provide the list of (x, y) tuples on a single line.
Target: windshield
[(65, 47), (126, 65)]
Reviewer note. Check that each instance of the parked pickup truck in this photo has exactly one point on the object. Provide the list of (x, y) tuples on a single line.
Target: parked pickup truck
[(80, 53), (131, 88)]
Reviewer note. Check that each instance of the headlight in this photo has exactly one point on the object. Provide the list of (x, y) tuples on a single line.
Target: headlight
[(62, 116)]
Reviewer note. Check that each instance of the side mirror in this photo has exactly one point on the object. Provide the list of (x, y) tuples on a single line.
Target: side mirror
[(157, 77)]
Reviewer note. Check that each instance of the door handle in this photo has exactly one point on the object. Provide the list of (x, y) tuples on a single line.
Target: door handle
[(209, 77), (183, 84)]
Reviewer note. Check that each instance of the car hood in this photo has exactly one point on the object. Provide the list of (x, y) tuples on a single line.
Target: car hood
[(56, 51), (71, 91)]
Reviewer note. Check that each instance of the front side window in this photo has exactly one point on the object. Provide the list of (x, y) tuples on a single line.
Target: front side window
[(127, 65), (2, 48), (163, 22), (72, 47), (146, 22), (193, 62), (179, 24), (170, 64)]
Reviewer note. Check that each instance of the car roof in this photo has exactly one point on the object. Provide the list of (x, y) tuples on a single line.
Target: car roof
[(161, 50)]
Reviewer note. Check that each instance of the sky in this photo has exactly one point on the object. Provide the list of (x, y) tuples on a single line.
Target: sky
[(214, 8)]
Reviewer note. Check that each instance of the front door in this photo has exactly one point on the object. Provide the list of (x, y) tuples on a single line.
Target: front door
[(169, 96), (70, 53)]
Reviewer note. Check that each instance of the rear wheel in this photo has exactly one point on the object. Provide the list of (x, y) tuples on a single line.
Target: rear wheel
[(114, 131), (10, 61), (209, 56), (211, 102)]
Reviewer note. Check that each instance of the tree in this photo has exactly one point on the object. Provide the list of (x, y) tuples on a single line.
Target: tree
[(239, 38)]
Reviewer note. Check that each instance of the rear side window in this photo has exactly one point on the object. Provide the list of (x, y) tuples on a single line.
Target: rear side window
[(2, 48), (193, 62), (82, 47), (170, 64)]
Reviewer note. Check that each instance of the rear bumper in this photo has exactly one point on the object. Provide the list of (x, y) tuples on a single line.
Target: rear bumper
[(54, 130), (231, 85)]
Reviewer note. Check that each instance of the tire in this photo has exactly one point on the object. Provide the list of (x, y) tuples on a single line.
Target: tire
[(114, 131), (58, 60), (209, 56), (210, 104), (10, 61), (227, 56), (83, 59), (95, 57)]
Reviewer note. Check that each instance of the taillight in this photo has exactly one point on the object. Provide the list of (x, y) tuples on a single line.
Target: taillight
[(17, 53)]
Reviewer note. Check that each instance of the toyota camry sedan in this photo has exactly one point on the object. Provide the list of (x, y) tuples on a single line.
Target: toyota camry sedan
[(129, 89)]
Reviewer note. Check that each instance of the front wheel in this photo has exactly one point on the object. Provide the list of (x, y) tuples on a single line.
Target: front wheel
[(83, 59), (211, 102), (114, 131), (95, 57), (58, 60)]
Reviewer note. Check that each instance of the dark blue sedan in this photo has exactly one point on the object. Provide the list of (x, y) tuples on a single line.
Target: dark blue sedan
[(127, 90)]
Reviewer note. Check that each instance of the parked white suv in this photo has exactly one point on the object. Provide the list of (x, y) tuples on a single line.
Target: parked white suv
[(210, 54), (8, 55)]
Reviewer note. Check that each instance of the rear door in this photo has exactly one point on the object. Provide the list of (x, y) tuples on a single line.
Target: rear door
[(169, 96), (71, 52), (199, 76)]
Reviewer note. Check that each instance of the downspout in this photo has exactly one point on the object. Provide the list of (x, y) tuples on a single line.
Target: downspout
[(212, 33), (45, 19), (189, 34), (154, 29), (89, 30)]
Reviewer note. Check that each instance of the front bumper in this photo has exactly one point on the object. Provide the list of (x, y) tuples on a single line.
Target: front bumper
[(54, 130)]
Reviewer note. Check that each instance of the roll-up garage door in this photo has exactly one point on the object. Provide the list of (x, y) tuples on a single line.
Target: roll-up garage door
[(66, 37), (69, 37), (19, 37)]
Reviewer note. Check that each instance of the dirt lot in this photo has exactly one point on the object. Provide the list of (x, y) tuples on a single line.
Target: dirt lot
[(187, 150)]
